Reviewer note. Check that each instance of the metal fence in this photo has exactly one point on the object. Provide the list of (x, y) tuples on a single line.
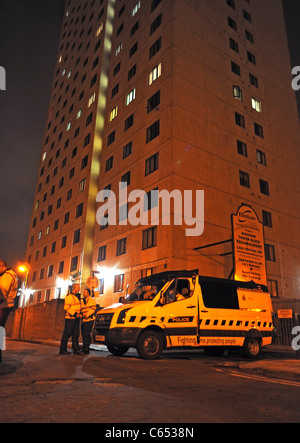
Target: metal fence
[(286, 317)]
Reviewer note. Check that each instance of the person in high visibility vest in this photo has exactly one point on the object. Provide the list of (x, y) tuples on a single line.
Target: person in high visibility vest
[(72, 321), (8, 293), (88, 312)]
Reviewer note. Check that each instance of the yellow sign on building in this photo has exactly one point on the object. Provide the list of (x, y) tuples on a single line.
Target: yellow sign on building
[(248, 247)]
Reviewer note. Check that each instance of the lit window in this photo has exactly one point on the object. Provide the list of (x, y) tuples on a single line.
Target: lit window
[(79, 114), (119, 48), (69, 126), (91, 100), (237, 93), (82, 186), (261, 157), (130, 97), (99, 30), (113, 113), (256, 104), (155, 74), (136, 8)]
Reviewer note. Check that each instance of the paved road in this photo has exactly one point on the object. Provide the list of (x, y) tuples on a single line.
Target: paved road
[(38, 385)]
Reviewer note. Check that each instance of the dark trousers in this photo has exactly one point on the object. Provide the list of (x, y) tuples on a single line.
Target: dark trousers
[(4, 313), (86, 329), (71, 329)]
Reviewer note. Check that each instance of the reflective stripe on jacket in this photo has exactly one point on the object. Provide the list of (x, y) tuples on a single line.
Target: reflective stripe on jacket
[(88, 309), (72, 306)]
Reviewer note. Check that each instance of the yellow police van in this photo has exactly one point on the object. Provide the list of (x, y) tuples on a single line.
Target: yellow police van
[(182, 309)]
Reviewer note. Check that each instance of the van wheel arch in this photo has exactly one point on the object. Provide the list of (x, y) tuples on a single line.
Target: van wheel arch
[(254, 333), (156, 329)]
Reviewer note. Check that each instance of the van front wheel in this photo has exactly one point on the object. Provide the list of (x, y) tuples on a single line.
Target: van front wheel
[(150, 345), (117, 350), (252, 347)]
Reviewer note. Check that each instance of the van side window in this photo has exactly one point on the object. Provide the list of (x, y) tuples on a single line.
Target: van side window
[(219, 295), (179, 290)]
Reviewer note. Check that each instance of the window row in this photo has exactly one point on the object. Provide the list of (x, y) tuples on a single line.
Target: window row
[(149, 240), (53, 248), (152, 131), (240, 121), (50, 270), (245, 181)]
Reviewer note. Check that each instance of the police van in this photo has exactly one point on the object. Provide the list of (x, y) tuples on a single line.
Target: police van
[(182, 309)]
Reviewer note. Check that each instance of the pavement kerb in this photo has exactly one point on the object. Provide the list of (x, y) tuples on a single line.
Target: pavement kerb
[(280, 369)]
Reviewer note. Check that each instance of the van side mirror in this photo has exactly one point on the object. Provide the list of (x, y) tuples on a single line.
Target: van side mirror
[(121, 299)]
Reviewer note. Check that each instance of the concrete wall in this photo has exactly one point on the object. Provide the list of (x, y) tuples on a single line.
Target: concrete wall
[(38, 322)]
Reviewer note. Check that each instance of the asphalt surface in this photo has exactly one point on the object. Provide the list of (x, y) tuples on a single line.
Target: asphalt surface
[(38, 385)]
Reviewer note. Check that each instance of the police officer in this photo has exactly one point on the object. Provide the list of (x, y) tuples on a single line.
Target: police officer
[(8, 292), (72, 321), (88, 311)]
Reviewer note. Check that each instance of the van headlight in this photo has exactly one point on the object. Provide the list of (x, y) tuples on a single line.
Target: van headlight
[(122, 316)]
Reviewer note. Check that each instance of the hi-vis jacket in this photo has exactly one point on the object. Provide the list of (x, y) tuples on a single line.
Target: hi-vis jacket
[(88, 309), (72, 306), (8, 288)]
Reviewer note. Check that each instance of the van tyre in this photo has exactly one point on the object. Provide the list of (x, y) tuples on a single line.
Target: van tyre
[(150, 345), (117, 350), (252, 347)]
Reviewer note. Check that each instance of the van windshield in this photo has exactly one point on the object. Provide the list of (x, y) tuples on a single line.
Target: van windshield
[(144, 293)]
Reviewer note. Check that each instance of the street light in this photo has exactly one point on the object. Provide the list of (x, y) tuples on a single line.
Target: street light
[(23, 269)]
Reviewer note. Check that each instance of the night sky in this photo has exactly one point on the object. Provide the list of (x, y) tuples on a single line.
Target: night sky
[(29, 37)]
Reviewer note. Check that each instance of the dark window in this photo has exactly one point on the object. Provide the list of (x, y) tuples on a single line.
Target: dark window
[(128, 122), (267, 219), (153, 102), (118, 285), (152, 164), (74, 264), (219, 295), (155, 48), (149, 238), (264, 187), (153, 131), (102, 253), (121, 246), (244, 179)]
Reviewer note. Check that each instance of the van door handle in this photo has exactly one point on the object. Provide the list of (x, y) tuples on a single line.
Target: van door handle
[(190, 307), (204, 311)]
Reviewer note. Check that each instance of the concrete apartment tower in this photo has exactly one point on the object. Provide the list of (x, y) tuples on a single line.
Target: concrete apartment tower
[(166, 95)]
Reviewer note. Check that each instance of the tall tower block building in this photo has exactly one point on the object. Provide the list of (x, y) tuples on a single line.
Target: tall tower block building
[(169, 96)]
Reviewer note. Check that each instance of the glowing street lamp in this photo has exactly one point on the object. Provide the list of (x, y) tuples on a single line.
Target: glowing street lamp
[(23, 269)]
